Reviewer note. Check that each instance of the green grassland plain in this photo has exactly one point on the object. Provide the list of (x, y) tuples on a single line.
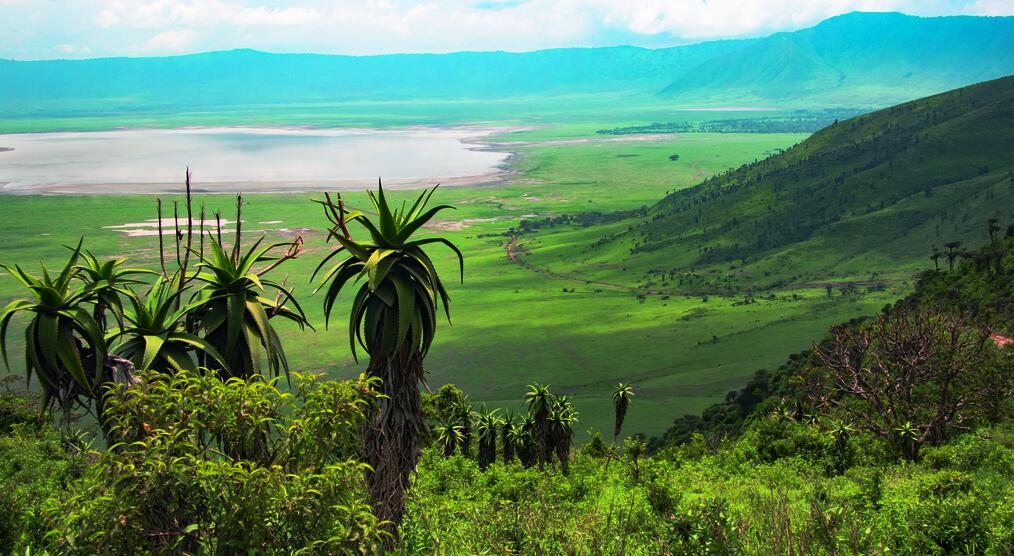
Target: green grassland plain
[(514, 324)]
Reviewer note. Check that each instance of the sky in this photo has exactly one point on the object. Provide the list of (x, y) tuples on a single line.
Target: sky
[(43, 29)]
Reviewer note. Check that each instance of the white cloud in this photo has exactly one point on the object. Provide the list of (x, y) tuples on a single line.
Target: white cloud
[(73, 49), (992, 7), (170, 42), (37, 28)]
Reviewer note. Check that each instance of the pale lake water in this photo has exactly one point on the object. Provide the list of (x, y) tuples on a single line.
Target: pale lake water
[(244, 159)]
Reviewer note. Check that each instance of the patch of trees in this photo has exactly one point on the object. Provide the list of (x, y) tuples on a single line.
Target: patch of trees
[(929, 367), (583, 219), (798, 121)]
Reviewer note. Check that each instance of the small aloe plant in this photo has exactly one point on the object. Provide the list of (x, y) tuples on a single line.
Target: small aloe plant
[(154, 337), (235, 315)]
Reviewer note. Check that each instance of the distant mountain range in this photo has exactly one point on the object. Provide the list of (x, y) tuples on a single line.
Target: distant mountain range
[(858, 60), (872, 193), (882, 56), (252, 77)]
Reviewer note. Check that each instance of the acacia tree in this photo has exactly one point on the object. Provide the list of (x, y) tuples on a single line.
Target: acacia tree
[(912, 376), (621, 401), (540, 403), (393, 318)]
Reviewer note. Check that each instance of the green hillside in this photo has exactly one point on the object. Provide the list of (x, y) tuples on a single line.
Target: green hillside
[(878, 58), (865, 198)]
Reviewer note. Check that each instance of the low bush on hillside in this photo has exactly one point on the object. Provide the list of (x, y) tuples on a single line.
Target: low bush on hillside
[(206, 466), (771, 492)]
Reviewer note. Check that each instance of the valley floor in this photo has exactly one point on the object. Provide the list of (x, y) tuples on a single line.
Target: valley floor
[(520, 316)]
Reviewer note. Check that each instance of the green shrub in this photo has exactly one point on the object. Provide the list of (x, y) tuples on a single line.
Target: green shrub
[(16, 409), (703, 527), (33, 467), (950, 525), (775, 438), (944, 483), (223, 467)]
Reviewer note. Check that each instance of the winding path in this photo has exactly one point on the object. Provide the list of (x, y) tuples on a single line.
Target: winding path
[(514, 251)]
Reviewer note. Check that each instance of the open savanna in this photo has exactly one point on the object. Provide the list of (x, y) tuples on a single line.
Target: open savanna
[(512, 323)]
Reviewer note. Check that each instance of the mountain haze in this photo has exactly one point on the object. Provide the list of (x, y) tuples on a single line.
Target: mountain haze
[(855, 60), (883, 57), (248, 76)]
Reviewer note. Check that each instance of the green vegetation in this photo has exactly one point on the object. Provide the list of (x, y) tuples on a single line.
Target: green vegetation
[(64, 345), (890, 434), (570, 340), (246, 467), (859, 201), (796, 121), (393, 318), (782, 479)]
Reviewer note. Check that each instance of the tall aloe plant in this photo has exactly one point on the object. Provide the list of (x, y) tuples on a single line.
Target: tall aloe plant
[(234, 314), (562, 418), (487, 425), (508, 436), (622, 395), (393, 319), (64, 345), (540, 403)]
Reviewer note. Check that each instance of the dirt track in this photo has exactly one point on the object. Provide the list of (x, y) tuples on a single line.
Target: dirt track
[(514, 252)]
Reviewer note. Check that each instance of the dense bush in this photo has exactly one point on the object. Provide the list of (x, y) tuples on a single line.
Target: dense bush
[(223, 467), (33, 467), (770, 492), (17, 409)]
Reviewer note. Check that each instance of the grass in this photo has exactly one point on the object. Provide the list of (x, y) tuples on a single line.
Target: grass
[(511, 325)]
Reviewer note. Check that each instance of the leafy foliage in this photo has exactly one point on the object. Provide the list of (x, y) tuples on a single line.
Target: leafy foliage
[(212, 466)]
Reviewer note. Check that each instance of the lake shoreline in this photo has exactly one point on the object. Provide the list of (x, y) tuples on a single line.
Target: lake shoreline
[(478, 139)]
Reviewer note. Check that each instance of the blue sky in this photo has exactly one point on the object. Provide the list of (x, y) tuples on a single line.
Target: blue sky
[(40, 29)]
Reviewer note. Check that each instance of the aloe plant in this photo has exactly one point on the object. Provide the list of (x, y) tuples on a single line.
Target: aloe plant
[(393, 319), (562, 418), (110, 282), (153, 336), (540, 403), (621, 402), (64, 345), (234, 314), (487, 426), (447, 436), (508, 436)]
